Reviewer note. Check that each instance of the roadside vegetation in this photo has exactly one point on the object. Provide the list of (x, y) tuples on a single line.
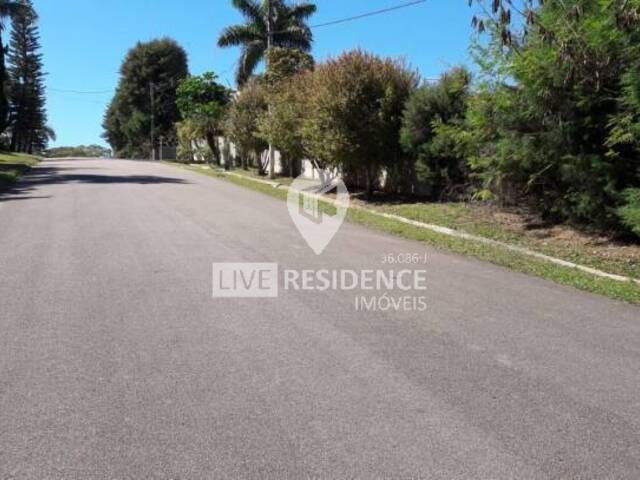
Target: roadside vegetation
[(80, 151), (539, 148), (23, 115), (144, 108), (451, 216), (13, 166)]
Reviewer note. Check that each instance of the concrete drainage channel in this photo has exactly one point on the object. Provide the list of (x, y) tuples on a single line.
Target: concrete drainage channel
[(456, 233)]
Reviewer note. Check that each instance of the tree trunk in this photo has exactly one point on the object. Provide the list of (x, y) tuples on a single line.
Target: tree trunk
[(213, 146), (295, 168), (14, 141), (272, 162), (258, 158), (369, 180), (4, 102)]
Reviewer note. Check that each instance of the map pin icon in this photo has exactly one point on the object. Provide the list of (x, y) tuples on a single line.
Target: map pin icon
[(313, 222)]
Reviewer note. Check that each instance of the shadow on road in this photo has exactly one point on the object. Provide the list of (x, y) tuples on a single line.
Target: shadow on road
[(12, 198), (45, 175)]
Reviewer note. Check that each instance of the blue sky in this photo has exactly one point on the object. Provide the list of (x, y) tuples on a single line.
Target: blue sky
[(84, 42)]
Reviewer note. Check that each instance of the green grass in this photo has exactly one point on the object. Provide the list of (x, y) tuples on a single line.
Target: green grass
[(625, 291), (13, 166), (253, 173), (458, 216), (480, 220)]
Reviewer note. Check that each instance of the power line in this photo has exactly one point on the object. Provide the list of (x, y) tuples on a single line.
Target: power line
[(171, 81), (80, 92), (356, 17), (368, 14), (80, 99), (372, 13), (364, 15)]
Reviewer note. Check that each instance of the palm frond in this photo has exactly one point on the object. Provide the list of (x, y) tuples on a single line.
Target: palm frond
[(290, 27), (239, 35), (294, 36), (303, 11), (251, 9), (251, 56)]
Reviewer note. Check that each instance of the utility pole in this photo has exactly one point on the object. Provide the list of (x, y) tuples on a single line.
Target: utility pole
[(272, 156), (161, 141), (153, 120)]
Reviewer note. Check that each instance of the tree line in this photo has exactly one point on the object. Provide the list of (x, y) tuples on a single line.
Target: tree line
[(550, 121), (23, 115), (84, 151)]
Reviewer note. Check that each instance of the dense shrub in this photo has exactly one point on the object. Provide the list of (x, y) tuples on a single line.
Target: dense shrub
[(556, 123), (354, 111), (202, 102), (241, 121), (281, 124), (630, 211), (439, 168)]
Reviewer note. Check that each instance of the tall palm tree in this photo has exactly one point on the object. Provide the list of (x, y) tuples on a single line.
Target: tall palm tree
[(8, 10), (286, 22)]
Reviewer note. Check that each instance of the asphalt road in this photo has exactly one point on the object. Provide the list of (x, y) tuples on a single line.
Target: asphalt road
[(117, 363)]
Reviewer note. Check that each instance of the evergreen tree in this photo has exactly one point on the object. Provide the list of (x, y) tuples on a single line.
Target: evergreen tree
[(144, 106), (28, 116), (8, 10)]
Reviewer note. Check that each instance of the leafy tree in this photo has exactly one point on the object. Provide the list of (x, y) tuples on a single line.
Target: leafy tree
[(430, 112), (145, 100), (202, 101), (556, 121), (243, 117), (281, 125), (629, 212), (27, 101), (285, 63), (354, 113), (190, 142), (8, 10), (287, 24)]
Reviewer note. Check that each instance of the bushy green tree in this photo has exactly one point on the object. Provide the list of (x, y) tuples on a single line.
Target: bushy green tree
[(555, 123), (281, 125), (354, 113), (202, 102), (149, 78), (285, 63), (190, 143), (242, 119), (431, 116), (629, 212)]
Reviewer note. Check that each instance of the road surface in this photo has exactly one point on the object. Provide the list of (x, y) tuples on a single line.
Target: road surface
[(117, 363)]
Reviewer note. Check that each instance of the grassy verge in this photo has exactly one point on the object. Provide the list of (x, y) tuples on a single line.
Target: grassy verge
[(524, 231), (448, 215), (253, 174), (13, 166)]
